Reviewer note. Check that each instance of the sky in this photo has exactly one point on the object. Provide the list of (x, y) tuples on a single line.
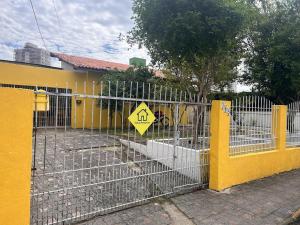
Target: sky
[(88, 28)]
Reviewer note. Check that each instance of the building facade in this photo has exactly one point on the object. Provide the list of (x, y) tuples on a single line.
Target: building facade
[(77, 75), (33, 55)]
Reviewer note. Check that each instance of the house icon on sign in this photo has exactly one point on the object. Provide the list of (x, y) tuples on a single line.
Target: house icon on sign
[(142, 115)]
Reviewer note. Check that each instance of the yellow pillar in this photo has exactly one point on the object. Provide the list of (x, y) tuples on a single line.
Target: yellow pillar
[(279, 117), (219, 142), (16, 123)]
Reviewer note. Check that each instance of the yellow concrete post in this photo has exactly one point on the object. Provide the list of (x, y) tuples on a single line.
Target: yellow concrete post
[(279, 117), (16, 123), (219, 142)]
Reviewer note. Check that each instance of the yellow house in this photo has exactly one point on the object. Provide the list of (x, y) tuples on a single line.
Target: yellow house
[(77, 75)]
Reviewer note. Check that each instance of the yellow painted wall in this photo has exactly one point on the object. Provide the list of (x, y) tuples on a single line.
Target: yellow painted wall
[(88, 112), (227, 171), (15, 155), (18, 74)]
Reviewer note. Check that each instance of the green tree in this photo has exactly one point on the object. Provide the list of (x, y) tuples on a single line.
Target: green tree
[(128, 84), (140, 83), (198, 41), (273, 57)]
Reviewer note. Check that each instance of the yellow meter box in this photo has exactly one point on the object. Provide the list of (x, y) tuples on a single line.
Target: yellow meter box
[(41, 102)]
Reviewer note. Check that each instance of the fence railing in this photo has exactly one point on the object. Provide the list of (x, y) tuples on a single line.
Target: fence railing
[(100, 163), (293, 125), (227, 169), (89, 160), (251, 125)]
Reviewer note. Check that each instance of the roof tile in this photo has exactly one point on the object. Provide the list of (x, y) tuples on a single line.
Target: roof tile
[(89, 63)]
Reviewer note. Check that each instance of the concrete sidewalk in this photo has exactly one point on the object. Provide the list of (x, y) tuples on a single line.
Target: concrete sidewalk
[(267, 201)]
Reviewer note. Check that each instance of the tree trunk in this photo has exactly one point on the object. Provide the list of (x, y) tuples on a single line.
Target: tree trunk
[(199, 120)]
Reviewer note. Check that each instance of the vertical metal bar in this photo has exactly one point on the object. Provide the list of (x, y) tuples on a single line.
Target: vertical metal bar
[(195, 168), (121, 172), (149, 93), (155, 166), (107, 174), (56, 123), (114, 187), (159, 108), (176, 140), (122, 117), (100, 135), (129, 112), (66, 106), (75, 105), (262, 112), (166, 157), (35, 132), (253, 114), (205, 137), (180, 176), (244, 132), (84, 105), (153, 138), (101, 109), (185, 136), (135, 135), (108, 110), (45, 129), (93, 105)]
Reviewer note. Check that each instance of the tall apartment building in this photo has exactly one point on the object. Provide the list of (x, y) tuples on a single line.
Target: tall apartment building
[(32, 54)]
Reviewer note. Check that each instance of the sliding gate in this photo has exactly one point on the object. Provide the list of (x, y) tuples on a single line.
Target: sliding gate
[(102, 164)]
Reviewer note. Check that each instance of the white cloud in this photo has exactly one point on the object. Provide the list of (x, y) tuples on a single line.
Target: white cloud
[(87, 28)]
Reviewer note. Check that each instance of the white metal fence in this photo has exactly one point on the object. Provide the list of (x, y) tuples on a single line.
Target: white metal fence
[(293, 125), (100, 163), (252, 128), (89, 160)]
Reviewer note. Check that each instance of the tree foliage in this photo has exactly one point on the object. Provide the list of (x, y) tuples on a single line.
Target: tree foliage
[(113, 81), (138, 83), (197, 40), (128, 84), (273, 59)]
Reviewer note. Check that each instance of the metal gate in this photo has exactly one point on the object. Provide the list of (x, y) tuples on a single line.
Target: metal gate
[(101, 164)]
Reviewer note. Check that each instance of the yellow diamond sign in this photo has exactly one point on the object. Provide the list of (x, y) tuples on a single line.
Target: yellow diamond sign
[(142, 118)]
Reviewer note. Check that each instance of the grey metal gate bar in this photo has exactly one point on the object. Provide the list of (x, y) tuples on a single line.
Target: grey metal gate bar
[(99, 163)]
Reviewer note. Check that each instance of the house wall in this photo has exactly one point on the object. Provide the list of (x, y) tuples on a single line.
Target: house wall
[(67, 66), (88, 113), (18, 74)]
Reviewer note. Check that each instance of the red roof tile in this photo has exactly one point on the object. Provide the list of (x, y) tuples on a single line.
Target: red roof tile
[(89, 63)]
